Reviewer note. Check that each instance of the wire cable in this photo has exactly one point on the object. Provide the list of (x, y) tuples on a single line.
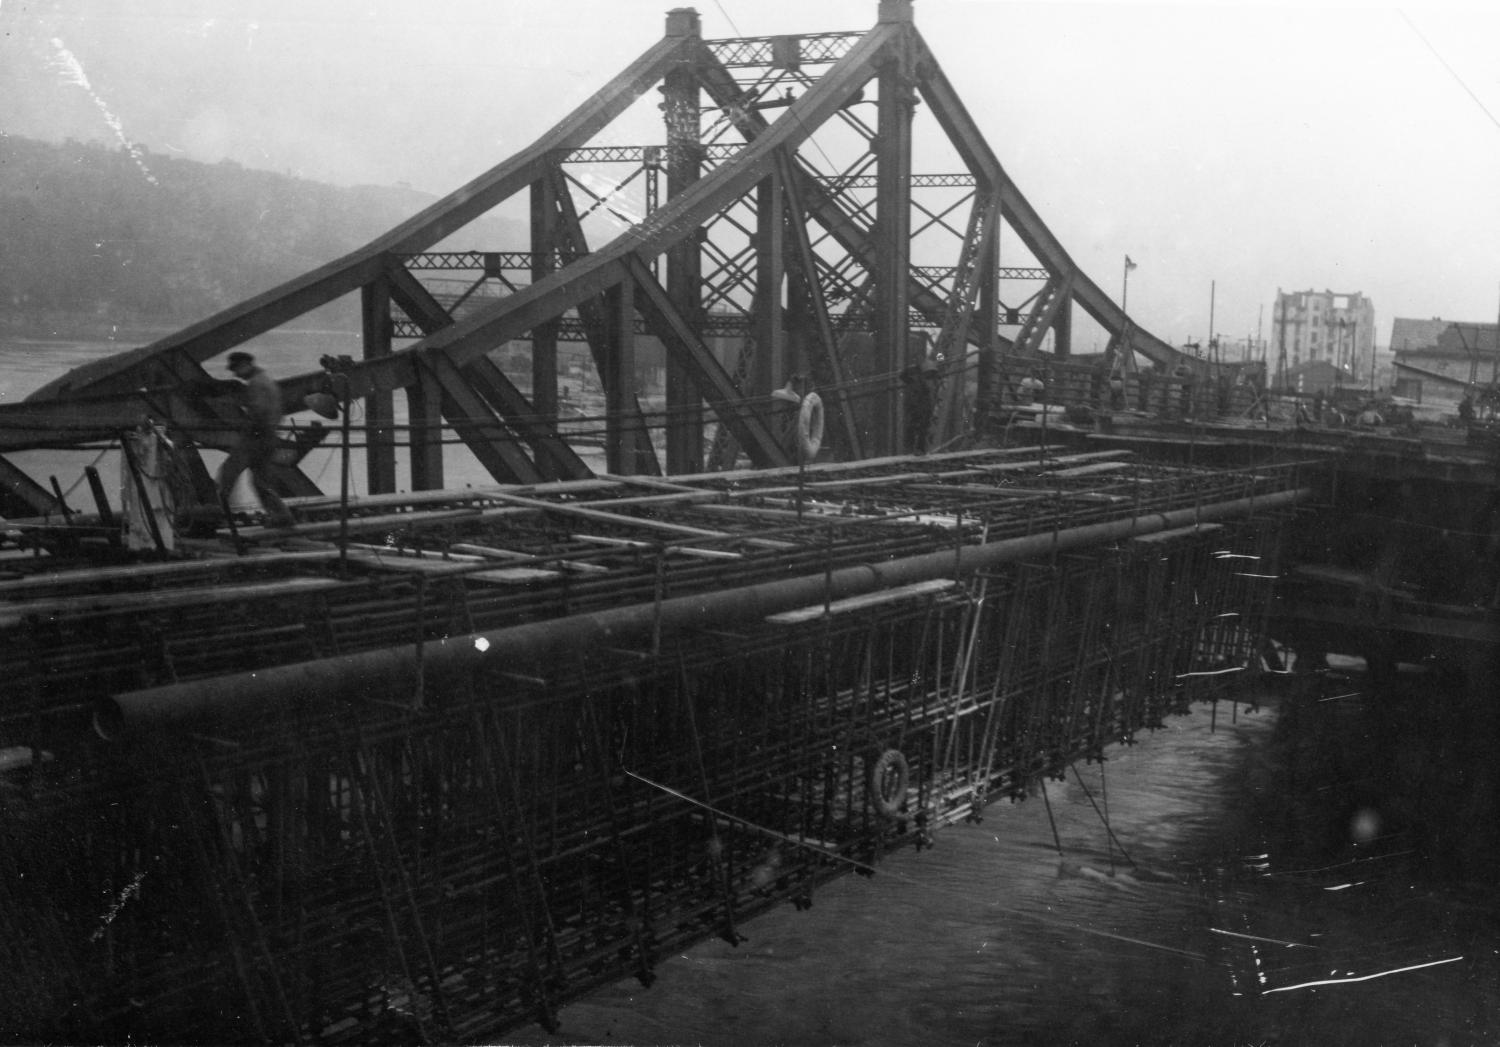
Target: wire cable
[(1451, 71)]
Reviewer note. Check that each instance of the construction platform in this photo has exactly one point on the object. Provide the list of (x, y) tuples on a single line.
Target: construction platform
[(430, 765)]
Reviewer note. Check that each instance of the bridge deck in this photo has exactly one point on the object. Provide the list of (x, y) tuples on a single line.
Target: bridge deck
[(514, 743)]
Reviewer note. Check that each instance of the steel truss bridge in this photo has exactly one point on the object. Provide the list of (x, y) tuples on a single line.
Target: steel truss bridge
[(431, 763), (500, 747), (754, 260)]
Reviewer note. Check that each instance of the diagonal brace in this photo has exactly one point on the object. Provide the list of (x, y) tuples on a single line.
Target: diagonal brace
[(714, 383)]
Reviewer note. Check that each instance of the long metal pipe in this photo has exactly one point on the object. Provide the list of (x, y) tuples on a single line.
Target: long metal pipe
[(535, 646)]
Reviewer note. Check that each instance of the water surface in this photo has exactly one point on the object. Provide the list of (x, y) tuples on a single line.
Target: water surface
[(1198, 924)]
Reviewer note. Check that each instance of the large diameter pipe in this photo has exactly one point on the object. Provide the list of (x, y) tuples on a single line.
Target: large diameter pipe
[(393, 671)]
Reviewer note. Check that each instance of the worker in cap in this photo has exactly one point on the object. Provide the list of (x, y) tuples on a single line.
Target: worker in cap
[(255, 444)]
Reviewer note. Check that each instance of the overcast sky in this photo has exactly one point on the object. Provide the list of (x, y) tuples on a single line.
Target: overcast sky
[(1243, 147)]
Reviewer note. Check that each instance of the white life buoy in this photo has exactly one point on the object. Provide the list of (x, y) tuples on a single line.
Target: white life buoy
[(810, 426), (886, 786)]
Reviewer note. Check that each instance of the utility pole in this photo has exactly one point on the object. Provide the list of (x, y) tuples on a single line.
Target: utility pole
[(1213, 286), (1339, 358), (1281, 345)]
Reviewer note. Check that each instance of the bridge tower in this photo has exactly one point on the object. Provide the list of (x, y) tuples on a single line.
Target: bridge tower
[(803, 242)]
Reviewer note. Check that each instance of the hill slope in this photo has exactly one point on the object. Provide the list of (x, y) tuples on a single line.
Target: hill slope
[(94, 237)]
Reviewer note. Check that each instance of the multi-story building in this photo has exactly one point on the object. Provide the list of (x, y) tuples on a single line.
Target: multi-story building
[(1333, 326)]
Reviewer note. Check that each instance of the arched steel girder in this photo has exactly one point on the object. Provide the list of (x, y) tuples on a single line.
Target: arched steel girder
[(98, 400), (627, 258), (265, 312), (586, 279), (960, 128)]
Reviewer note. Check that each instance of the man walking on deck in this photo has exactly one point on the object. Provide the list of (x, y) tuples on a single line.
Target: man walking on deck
[(260, 401)]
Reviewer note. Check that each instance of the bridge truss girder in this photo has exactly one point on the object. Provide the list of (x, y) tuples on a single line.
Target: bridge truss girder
[(751, 228)]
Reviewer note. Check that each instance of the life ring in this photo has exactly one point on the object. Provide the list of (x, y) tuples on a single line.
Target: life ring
[(887, 782), (810, 426)]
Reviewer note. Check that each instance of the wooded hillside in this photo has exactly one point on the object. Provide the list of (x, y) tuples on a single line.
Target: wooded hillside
[(95, 236)]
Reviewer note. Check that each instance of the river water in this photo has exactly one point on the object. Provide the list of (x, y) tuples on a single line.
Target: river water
[(1242, 900)]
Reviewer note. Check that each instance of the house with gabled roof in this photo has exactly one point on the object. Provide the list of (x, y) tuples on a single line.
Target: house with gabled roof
[(1444, 360)]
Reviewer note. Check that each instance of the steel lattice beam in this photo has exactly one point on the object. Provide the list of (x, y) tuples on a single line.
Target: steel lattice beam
[(589, 276), (861, 258), (784, 51)]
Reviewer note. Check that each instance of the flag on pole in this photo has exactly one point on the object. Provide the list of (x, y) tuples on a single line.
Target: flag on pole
[(1129, 265)]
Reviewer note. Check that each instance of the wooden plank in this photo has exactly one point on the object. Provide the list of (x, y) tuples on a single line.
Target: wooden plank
[(13, 613), (802, 615), (489, 552), (362, 524), (643, 523), (1178, 532), (149, 573), (1092, 469), (680, 498), (1062, 495), (632, 543), (619, 519), (408, 562), (514, 575), (437, 565), (460, 495), (866, 465)]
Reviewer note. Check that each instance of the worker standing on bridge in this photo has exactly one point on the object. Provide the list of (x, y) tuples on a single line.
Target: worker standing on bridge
[(255, 444), (921, 394)]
